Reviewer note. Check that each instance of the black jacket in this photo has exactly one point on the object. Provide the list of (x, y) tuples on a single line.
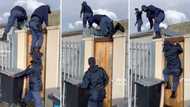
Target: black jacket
[(95, 19), (171, 53), (152, 12), (139, 15), (95, 80), (22, 16), (86, 9), (42, 13)]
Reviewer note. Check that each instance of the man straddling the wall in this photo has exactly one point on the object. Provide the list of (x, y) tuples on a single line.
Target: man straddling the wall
[(173, 66), (139, 21), (95, 80), (105, 26), (38, 17), (86, 12), (17, 16), (155, 16)]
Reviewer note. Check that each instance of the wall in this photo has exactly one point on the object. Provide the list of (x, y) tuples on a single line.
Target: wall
[(52, 62), (119, 68)]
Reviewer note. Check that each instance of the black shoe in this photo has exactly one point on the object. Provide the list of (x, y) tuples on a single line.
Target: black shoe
[(119, 27), (173, 94), (4, 37), (23, 104), (157, 37)]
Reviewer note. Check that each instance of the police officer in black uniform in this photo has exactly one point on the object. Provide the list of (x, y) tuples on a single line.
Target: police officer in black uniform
[(18, 15), (155, 16), (173, 66), (139, 21), (106, 26), (95, 80), (87, 12)]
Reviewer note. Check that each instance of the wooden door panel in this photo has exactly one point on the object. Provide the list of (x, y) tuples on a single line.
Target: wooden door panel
[(104, 57), (29, 58)]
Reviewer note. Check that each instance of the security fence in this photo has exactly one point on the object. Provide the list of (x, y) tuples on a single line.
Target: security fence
[(72, 60), (141, 66), (71, 57), (8, 52)]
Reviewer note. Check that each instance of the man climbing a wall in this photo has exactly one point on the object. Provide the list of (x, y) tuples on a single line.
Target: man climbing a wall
[(155, 16), (95, 80), (105, 27), (17, 17), (38, 18), (86, 12), (173, 65), (139, 21)]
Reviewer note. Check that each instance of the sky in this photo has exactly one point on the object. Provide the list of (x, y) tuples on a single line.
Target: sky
[(116, 9), (6, 5), (176, 11)]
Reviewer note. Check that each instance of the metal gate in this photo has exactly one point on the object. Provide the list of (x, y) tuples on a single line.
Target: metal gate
[(71, 61), (141, 66), (8, 52)]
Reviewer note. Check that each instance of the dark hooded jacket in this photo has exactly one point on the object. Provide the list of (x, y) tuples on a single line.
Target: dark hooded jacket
[(95, 80), (95, 19), (139, 15), (22, 16), (171, 53), (86, 9), (42, 13), (152, 12)]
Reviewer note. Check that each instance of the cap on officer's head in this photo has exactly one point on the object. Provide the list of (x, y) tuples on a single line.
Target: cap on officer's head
[(136, 9), (84, 3), (91, 61), (143, 7)]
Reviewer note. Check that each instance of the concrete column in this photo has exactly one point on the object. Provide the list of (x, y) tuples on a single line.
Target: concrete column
[(88, 50), (186, 70), (119, 62), (52, 61), (159, 58), (21, 49)]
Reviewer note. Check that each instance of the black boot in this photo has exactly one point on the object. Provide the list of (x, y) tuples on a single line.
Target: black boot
[(23, 104), (158, 35), (4, 37), (119, 27), (173, 94)]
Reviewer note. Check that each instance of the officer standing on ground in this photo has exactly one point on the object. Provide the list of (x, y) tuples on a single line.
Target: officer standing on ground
[(87, 12), (17, 16), (105, 24), (38, 17), (139, 21), (173, 67), (95, 80), (155, 16)]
